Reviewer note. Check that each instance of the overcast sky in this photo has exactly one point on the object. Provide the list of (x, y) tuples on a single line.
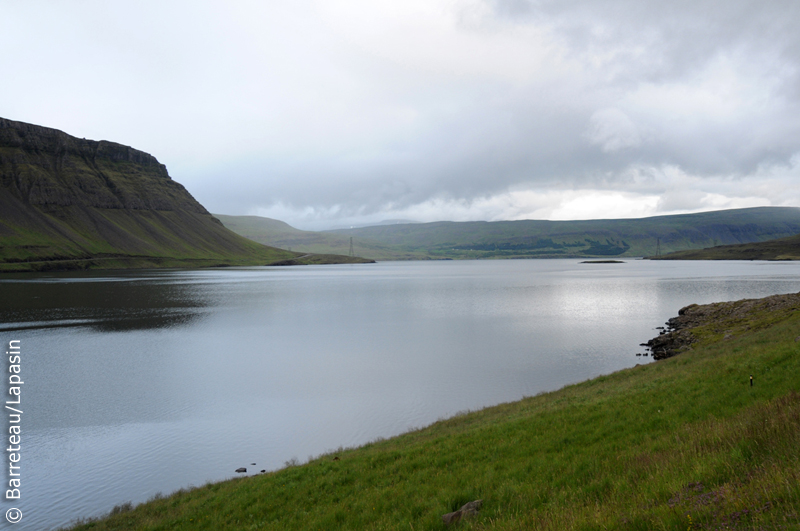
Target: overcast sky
[(348, 112)]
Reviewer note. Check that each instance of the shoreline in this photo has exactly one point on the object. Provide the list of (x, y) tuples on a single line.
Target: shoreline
[(551, 439)]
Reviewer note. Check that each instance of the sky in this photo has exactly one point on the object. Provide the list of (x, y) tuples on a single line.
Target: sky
[(337, 113)]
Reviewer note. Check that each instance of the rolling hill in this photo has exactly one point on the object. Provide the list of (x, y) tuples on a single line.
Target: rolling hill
[(532, 238)]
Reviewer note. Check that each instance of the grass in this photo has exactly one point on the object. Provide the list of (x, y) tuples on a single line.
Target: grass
[(120, 238), (683, 443)]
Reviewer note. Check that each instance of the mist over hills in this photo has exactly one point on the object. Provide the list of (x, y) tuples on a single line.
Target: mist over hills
[(533, 238), (70, 203)]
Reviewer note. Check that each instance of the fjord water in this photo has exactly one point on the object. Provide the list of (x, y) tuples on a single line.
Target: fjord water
[(144, 382)]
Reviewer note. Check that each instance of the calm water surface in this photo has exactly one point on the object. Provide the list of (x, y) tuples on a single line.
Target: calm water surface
[(145, 382)]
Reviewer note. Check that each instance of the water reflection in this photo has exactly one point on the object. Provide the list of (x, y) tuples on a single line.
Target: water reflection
[(104, 303), (140, 382)]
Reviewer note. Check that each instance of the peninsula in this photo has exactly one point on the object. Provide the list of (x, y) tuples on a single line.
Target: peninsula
[(777, 249)]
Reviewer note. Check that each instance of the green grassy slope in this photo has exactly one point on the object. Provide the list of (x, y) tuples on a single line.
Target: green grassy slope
[(592, 238), (778, 249), (69, 203), (683, 443)]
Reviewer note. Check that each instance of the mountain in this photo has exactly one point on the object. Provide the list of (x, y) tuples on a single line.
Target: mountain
[(778, 249), (533, 238), (70, 203)]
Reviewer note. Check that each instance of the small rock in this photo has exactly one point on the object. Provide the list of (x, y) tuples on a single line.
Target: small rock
[(468, 509), (263, 471), (253, 464), (451, 518), (241, 470)]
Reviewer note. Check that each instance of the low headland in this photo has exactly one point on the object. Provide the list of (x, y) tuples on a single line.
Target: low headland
[(706, 438), (777, 249)]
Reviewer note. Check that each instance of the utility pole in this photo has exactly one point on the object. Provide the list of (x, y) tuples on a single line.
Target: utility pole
[(352, 253), (658, 247)]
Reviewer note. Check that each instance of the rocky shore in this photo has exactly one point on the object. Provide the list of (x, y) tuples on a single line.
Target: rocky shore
[(726, 319)]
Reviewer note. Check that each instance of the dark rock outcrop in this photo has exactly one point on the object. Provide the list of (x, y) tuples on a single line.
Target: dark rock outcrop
[(468, 509), (677, 337), (722, 319)]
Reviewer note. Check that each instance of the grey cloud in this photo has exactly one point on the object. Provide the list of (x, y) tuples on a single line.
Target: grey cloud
[(613, 130), (663, 40), (260, 104)]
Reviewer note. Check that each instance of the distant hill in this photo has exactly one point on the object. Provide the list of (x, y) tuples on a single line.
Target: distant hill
[(779, 249), (279, 234), (70, 203), (592, 238), (532, 238)]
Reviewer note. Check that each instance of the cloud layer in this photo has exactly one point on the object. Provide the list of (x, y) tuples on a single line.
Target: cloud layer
[(329, 113)]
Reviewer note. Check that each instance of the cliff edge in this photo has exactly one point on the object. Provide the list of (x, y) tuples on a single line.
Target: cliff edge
[(71, 203)]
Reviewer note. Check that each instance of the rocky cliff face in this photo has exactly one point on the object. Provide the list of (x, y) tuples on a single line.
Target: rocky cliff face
[(45, 167), (70, 203)]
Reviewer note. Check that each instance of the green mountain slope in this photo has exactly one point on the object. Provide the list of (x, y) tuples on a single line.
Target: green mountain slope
[(69, 203), (532, 238), (779, 249)]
